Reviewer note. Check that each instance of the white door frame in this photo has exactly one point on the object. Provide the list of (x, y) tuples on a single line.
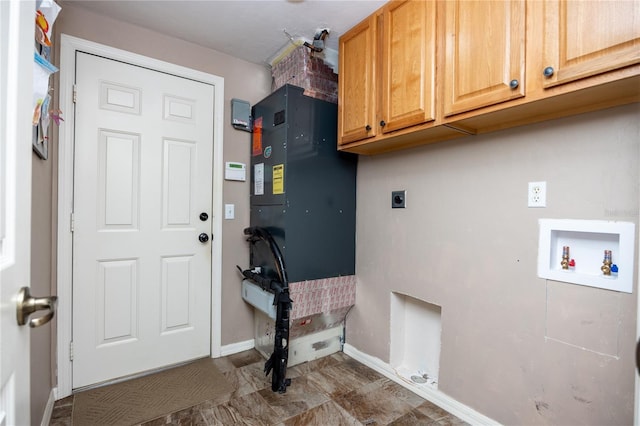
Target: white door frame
[(68, 47)]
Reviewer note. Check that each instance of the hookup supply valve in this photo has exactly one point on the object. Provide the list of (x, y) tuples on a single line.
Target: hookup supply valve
[(565, 257), (606, 263)]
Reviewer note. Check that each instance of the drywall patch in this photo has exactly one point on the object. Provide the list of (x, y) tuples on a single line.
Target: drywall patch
[(583, 317)]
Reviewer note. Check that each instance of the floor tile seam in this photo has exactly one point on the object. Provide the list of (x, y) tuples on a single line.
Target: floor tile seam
[(266, 403), (332, 395), (203, 418), (360, 375), (446, 413), (245, 373), (318, 389), (284, 419), (358, 422), (339, 407), (231, 407), (354, 393)]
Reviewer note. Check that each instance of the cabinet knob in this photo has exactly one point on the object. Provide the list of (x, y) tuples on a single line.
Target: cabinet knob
[(548, 72), (382, 123), (513, 84), (367, 128)]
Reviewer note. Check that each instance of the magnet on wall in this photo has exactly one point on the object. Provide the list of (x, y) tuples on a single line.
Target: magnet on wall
[(241, 115)]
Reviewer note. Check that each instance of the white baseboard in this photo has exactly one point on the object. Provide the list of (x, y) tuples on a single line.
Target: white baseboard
[(234, 348), (437, 397), (48, 410)]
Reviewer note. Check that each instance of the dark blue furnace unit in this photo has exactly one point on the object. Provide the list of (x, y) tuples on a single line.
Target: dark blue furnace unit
[(303, 204)]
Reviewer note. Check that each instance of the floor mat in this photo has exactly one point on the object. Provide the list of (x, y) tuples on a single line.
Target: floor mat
[(150, 397)]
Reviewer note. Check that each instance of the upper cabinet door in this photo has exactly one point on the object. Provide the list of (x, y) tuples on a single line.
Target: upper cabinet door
[(356, 84), (408, 64), (484, 53), (585, 38)]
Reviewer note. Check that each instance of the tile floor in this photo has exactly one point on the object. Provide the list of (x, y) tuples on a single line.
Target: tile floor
[(335, 390)]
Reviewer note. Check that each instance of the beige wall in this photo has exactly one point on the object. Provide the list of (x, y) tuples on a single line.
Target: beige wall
[(468, 243)]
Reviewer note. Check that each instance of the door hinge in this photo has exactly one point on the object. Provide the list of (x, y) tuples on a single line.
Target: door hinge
[(71, 350), (75, 93), (72, 222)]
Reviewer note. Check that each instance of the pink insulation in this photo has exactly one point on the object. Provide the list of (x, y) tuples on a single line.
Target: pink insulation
[(322, 296), (311, 73)]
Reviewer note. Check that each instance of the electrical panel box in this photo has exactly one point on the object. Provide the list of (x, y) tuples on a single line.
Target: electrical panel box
[(303, 190)]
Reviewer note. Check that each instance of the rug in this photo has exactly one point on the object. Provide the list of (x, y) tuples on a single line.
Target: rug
[(149, 397)]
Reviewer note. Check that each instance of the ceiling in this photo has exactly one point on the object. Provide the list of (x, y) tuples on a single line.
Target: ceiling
[(257, 31)]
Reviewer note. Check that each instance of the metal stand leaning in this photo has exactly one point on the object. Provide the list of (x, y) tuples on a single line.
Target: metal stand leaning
[(280, 356)]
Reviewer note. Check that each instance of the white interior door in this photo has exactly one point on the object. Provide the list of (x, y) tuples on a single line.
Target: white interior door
[(143, 185), (16, 68)]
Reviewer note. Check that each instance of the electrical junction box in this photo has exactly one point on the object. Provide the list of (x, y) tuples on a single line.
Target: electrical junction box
[(240, 115), (303, 190)]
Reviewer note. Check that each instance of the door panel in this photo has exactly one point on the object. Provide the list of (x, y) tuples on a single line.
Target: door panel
[(484, 53), (177, 292), (586, 38), (143, 175), (357, 85), (408, 64), (117, 288), (118, 180), (178, 182)]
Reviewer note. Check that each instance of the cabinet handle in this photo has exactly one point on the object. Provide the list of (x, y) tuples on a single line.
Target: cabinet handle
[(513, 84), (382, 123), (367, 128), (548, 72)]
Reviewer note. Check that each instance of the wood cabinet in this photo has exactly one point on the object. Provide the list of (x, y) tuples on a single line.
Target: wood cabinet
[(586, 38), (593, 48), (484, 53), (387, 71), (356, 83), (408, 64), (482, 64)]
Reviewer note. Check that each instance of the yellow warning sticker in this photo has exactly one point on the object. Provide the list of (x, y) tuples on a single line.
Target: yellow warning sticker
[(278, 179)]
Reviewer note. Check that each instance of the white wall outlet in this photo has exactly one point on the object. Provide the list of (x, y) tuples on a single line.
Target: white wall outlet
[(537, 194)]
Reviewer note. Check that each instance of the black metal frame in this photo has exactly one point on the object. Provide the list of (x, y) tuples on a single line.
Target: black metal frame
[(280, 356)]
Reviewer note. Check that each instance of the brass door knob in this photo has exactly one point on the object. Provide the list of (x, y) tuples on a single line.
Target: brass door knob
[(27, 305)]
